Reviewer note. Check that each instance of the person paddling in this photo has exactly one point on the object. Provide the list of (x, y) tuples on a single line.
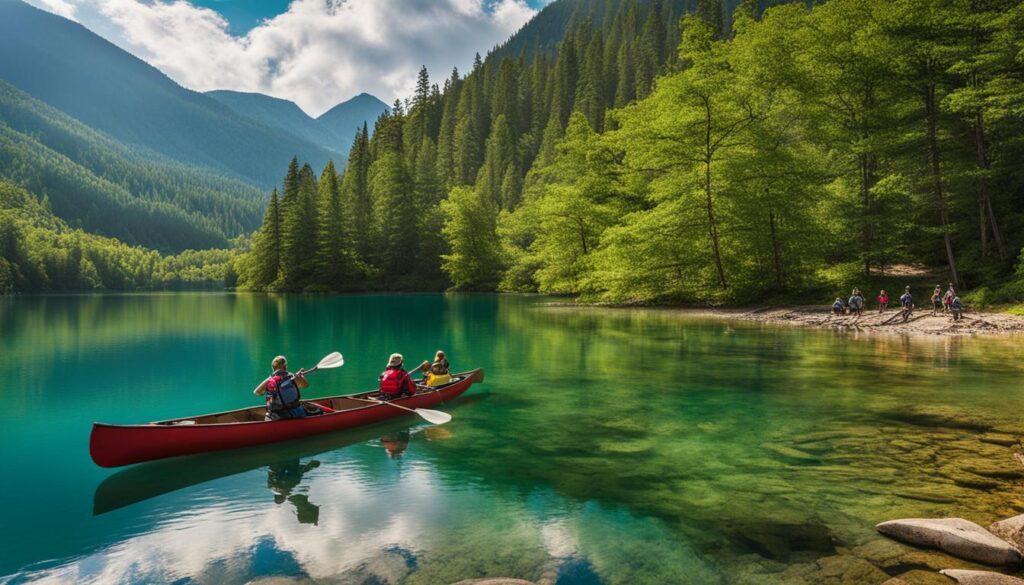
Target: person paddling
[(883, 301), (282, 389), (395, 381), (438, 373)]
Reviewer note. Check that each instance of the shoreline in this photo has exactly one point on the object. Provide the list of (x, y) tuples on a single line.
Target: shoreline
[(921, 322)]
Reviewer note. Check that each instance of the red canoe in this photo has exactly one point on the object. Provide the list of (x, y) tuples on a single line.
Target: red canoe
[(116, 445)]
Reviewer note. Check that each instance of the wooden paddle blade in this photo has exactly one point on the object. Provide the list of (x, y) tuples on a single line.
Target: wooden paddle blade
[(332, 360), (434, 416)]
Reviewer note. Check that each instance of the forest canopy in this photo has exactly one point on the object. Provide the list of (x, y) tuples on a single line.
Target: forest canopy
[(656, 158)]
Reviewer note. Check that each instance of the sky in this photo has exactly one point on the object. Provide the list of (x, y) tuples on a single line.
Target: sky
[(316, 53)]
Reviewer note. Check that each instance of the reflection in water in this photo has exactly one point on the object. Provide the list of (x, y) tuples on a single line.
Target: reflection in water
[(284, 477), (396, 444), (613, 446)]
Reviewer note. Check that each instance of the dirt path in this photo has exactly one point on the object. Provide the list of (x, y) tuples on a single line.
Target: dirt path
[(920, 322)]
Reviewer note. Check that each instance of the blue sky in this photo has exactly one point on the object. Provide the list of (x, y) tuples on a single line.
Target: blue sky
[(316, 53), (244, 15)]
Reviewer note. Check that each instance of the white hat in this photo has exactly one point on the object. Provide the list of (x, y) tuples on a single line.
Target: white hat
[(396, 359)]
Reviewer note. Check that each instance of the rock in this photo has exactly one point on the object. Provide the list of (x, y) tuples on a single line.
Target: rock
[(995, 470), (918, 577), (495, 581), (847, 570), (1001, 439), (791, 454), (981, 577), (937, 495), (955, 536), (1011, 530)]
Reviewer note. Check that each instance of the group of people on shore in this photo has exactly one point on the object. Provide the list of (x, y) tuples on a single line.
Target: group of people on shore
[(283, 389), (948, 302)]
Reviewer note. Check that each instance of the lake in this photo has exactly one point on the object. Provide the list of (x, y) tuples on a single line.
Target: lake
[(606, 446)]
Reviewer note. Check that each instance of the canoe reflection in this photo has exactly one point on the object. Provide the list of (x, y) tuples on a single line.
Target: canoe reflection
[(286, 476), (148, 480)]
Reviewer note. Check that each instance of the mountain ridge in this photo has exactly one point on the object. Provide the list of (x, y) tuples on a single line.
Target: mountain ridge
[(334, 129), (63, 64)]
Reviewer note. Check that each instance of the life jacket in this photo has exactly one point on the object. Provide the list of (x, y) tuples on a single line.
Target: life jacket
[(282, 392), (439, 368), (837, 305), (957, 304), (393, 380), (906, 299), (883, 299)]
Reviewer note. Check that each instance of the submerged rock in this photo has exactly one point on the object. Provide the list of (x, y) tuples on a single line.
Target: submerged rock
[(981, 577), (918, 577), (955, 536), (1011, 530)]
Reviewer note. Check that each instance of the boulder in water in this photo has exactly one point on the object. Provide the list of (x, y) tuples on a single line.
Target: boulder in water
[(964, 577), (1011, 530), (956, 536)]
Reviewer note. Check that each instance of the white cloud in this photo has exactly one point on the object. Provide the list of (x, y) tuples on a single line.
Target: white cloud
[(317, 53)]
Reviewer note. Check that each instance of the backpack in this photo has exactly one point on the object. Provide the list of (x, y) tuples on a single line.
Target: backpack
[(282, 392)]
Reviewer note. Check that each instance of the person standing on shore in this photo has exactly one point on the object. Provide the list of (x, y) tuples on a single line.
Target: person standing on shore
[(947, 299), (883, 301), (856, 302), (936, 300), (957, 308), (838, 307), (907, 304)]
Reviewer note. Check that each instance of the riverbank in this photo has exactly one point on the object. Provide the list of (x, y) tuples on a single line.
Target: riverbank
[(922, 322)]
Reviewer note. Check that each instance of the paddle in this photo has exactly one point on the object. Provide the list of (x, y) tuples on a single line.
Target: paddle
[(431, 416), (331, 360)]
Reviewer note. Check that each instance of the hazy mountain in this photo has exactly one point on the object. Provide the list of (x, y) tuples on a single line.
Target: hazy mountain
[(343, 119), (333, 130), (105, 187), (65, 65)]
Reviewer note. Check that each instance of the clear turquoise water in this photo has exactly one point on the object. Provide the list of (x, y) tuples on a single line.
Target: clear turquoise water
[(606, 446)]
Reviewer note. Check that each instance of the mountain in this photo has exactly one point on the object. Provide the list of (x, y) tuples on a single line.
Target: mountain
[(333, 130), (105, 187), (342, 120), (65, 65)]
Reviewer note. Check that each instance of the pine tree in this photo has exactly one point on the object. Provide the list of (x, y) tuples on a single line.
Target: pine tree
[(356, 194), (334, 265), (298, 233), (500, 153)]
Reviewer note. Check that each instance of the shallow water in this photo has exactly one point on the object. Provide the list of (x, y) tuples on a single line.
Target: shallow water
[(606, 446)]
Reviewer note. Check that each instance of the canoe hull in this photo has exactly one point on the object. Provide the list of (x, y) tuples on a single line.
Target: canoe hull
[(117, 445)]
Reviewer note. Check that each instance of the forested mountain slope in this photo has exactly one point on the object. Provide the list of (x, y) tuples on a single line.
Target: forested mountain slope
[(104, 187), (333, 130), (41, 253), (799, 150), (65, 65)]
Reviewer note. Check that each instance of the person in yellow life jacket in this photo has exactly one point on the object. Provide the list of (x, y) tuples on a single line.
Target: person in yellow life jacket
[(437, 373)]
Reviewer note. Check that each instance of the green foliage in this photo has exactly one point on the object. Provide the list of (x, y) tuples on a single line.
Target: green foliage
[(40, 253), (778, 150), (474, 262)]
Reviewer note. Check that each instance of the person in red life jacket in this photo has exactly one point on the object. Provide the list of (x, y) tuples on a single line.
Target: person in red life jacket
[(282, 390), (395, 381)]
